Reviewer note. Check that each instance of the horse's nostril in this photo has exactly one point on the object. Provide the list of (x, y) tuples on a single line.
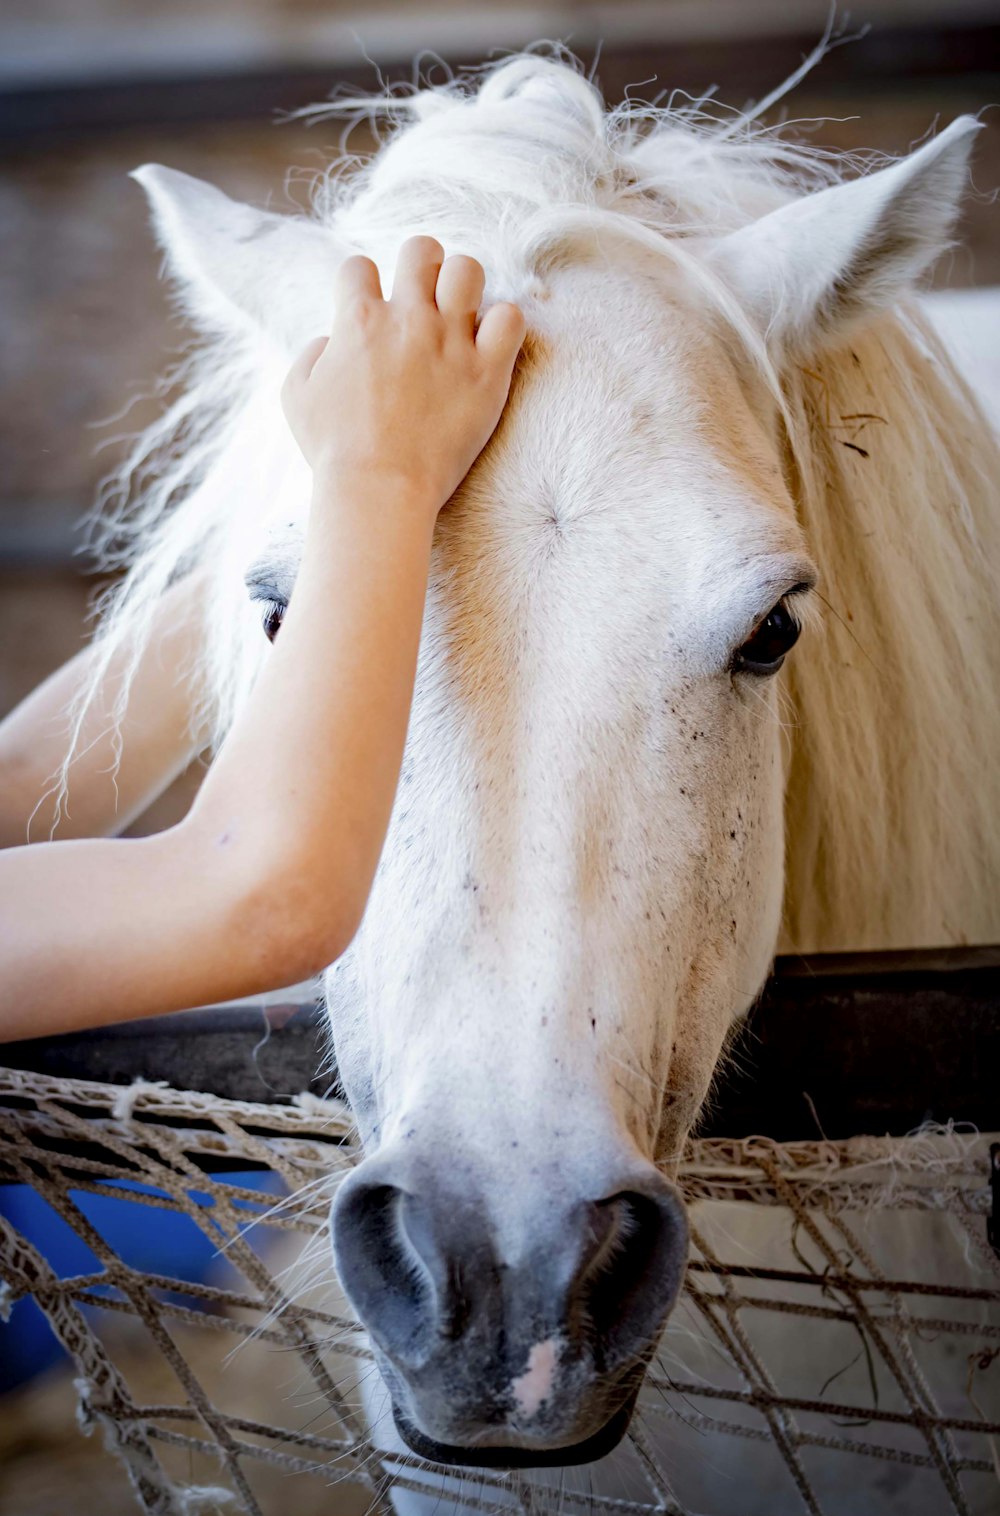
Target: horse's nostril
[(400, 1267), (631, 1270), (379, 1268)]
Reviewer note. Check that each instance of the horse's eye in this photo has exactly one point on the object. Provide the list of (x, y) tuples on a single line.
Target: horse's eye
[(274, 614), (764, 650)]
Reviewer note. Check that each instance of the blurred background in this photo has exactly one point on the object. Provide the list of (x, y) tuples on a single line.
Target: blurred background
[(91, 88)]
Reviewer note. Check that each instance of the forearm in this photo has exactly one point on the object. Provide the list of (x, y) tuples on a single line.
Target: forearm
[(102, 930), (116, 771), (307, 776), (267, 878)]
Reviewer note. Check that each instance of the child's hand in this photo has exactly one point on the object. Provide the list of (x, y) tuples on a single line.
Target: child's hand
[(405, 388)]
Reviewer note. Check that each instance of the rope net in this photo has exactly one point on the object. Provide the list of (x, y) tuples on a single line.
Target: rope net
[(835, 1349)]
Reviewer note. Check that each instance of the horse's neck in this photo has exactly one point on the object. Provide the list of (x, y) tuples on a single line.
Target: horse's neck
[(893, 789)]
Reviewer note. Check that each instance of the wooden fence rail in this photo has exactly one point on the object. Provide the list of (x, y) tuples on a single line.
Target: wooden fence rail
[(838, 1044)]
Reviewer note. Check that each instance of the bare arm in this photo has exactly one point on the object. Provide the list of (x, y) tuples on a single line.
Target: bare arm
[(157, 737), (267, 878)]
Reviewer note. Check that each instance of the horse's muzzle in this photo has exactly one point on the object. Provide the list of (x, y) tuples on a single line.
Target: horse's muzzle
[(509, 1362)]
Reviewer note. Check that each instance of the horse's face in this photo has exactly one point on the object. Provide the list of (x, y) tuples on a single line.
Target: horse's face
[(582, 882), (581, 885)]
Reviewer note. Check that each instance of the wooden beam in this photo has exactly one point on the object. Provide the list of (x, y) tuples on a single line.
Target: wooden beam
[(838, 1045)]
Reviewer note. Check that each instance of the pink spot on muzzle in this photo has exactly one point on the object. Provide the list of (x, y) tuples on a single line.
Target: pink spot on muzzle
[(534, 1386)]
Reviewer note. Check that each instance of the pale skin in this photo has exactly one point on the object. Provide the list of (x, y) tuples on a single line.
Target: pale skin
[(110, 784), (266, 879)]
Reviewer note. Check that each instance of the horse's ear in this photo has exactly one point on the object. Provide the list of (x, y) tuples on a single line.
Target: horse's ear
[(806, 272), (241, 268)]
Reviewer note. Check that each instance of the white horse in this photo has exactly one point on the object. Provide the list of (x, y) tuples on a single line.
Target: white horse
[(730, 421)]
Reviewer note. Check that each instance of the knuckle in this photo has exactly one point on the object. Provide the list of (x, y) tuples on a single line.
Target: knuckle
[(423, 324), (357, 311)]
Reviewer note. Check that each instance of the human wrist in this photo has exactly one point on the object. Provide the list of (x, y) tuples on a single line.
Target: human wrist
[(379, 488)]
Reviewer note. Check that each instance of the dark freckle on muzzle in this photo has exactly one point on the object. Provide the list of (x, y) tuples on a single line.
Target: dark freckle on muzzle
[(490, 1363)]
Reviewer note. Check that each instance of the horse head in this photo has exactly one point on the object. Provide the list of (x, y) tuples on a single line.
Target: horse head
[(581, 889)]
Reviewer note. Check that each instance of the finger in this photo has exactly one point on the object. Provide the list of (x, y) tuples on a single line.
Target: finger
[(460, 286), (417, 268), (301, 369), (501, 333), (357, 278)]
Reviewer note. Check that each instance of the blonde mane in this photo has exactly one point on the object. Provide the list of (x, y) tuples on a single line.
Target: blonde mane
[(893, 794), (893, 810)]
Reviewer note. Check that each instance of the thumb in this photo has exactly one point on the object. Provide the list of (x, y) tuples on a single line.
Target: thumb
[(300, 371)]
